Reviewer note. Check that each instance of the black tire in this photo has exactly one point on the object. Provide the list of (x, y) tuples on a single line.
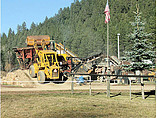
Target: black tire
[(32, 71), (41, 77)]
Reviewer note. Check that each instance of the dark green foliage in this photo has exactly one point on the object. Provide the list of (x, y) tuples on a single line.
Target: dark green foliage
[(82, 27), (141, 51)]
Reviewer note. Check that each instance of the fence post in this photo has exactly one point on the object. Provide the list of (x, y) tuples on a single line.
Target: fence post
[(72, 85), (130, 87), (90, 90), (108, 85), (155, 89), (142, 87)]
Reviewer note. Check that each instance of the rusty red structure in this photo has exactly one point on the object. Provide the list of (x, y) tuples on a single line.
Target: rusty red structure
[(25, 56)]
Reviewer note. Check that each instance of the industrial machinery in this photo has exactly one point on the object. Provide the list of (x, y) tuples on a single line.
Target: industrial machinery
[(42, 59), (51, 61)]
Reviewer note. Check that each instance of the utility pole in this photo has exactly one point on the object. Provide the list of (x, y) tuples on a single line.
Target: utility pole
[(118, 46)]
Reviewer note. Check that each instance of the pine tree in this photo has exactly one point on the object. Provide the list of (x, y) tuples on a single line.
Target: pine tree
[(19, 29), (3, 51), (24, 28), (141, 52), (33, 26)]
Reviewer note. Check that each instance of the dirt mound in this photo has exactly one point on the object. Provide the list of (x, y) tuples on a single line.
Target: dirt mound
[(18, 78), (3, 74)]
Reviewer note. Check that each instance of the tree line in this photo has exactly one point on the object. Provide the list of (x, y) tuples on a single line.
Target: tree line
[(82, 27)]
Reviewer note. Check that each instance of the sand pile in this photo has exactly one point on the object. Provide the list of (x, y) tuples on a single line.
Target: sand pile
[(3, 74), (18, 78)]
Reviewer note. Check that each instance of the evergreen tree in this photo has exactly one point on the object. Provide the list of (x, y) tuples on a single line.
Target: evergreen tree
[(24, 28), (4, 46), (46, 19), (32, 26), (141, 52), (19, 29)]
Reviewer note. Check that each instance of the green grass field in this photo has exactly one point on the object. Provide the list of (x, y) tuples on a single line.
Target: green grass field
[(62, 104)]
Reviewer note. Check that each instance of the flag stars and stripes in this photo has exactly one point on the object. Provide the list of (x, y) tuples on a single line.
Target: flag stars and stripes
[(107, 12)]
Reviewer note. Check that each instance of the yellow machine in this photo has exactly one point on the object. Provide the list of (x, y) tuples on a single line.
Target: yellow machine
[(48, 64), (68, 52), (151, 73)]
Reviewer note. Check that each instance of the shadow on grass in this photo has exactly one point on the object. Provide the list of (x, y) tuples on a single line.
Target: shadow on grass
[(112, 95), (151, 92), (115, 95)]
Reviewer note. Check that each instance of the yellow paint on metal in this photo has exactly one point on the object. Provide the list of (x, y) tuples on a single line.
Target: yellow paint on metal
[(150, 74), (46, 60), (43, 63), (39, 40)]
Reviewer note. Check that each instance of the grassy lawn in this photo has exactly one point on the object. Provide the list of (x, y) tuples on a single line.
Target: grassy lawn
[(62, 104)]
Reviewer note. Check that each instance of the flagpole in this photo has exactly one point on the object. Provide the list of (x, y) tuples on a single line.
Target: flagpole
[(107, 19), (107, 46), (108, 72)]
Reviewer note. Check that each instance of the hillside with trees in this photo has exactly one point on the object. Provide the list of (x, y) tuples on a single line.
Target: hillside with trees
[(82, 27)]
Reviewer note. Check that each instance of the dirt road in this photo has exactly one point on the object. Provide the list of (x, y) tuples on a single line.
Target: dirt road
[(65, 86)]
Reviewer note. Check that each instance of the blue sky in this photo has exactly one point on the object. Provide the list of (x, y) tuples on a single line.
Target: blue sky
[(14, 12)]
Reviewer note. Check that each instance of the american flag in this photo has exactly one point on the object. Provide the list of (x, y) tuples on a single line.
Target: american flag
[(107, 12)]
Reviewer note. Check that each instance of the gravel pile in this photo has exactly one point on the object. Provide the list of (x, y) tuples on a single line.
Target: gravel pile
[(18, 78)]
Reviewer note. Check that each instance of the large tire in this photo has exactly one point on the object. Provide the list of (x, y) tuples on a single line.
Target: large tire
[(41, 77), (32, 71)]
